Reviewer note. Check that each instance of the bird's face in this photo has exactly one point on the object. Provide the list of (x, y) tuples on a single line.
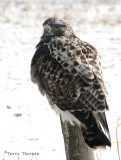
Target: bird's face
[(56, 27)]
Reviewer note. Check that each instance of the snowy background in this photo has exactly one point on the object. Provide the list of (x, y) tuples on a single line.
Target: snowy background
[(27, 123)]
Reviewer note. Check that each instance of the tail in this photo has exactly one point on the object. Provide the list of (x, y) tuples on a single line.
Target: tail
[(94, 128)]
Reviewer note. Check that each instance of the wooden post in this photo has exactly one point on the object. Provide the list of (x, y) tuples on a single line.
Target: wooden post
[(75, 146)]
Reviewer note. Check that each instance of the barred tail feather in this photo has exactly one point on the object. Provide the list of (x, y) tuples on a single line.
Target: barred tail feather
[(94, 128), (96, 140)]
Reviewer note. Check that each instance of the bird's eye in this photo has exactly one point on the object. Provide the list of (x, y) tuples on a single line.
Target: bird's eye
[(56, 26)]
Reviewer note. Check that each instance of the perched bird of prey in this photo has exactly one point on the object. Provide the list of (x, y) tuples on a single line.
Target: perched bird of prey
[(67, 70)]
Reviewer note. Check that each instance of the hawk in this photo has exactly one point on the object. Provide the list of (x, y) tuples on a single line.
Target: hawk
[(68, 71)]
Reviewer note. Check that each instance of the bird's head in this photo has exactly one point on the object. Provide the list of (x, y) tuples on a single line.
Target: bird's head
[(56, 27)]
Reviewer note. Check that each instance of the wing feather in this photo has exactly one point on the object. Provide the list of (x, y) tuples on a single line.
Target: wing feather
[(67, 75)]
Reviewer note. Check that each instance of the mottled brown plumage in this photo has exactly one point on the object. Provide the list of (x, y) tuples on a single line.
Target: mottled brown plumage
[(67, 70)]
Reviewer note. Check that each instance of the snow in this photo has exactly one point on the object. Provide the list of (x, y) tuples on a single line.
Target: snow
[(27, 122)]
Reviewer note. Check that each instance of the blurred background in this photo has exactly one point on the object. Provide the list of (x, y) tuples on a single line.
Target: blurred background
[(27, 123)]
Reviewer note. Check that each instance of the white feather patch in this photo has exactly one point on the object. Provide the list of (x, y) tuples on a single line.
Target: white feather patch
[(66, 115)]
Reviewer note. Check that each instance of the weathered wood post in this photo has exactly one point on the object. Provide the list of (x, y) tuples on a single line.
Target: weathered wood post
[(75, 147)]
